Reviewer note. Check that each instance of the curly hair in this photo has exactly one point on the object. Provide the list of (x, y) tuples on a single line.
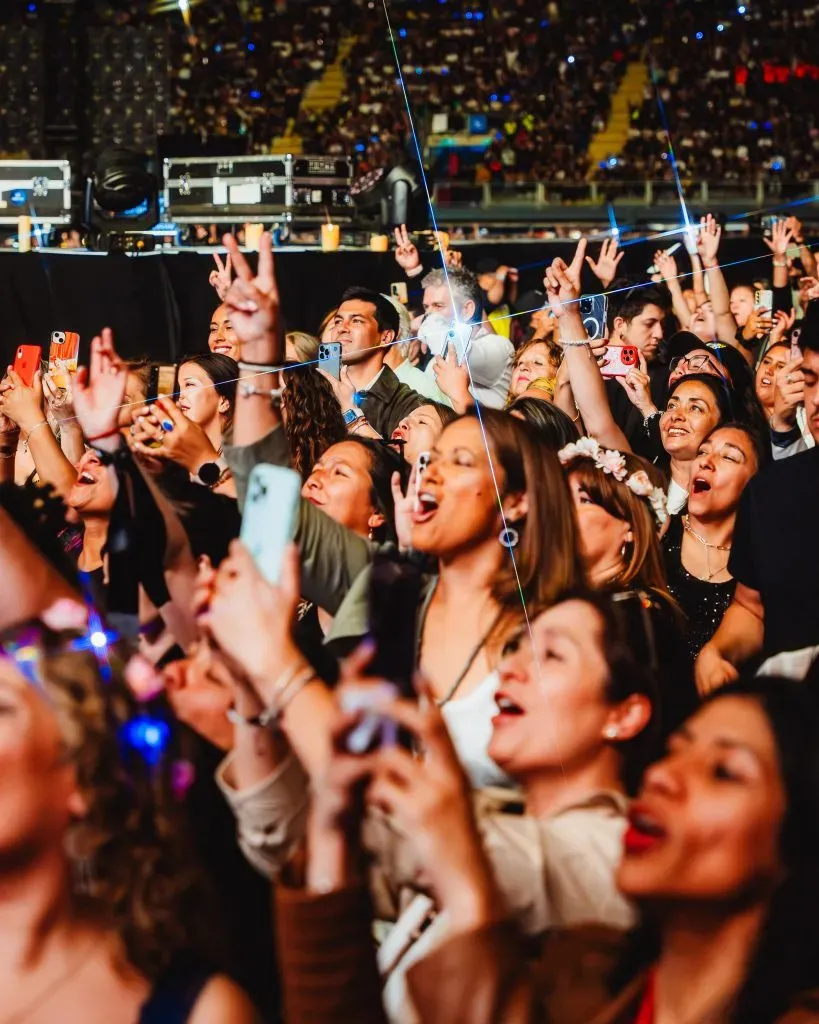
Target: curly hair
[(142, 885), (312, 417)]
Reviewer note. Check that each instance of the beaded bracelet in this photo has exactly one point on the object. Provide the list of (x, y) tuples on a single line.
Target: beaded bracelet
[(576, 344)]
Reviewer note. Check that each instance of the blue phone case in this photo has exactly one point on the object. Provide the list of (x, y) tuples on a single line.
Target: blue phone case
[(329, 358)]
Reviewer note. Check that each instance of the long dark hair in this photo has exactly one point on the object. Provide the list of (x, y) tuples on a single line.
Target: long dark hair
[(556, 429), (785, 962), (313, 417), (384, 461), (222, 370)]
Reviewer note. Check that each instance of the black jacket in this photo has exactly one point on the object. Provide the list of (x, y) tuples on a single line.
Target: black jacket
[(388, 401)]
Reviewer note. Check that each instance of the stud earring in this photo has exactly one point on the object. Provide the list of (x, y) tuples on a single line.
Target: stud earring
[(612, 732)]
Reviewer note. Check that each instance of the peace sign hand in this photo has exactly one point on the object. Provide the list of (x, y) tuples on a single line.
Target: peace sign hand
[(253, 303), (221, 278), (406, 253)]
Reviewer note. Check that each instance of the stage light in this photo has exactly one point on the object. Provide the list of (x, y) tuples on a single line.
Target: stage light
[(402, 32), (419, 71), (255, 94), (570, 60), (184, 6), (478, 15), (720, 27), (148, 736), (493, 98), (612, 161), (387, 193), (507, 98), (699, 35), (741, 9), (468, 15), (251, 47), (98, 639)]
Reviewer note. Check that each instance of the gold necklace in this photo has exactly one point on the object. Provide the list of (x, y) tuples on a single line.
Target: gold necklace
[(706, 544)]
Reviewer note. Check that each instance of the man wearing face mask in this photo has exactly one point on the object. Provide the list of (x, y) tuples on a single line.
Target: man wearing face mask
[(452, 299)]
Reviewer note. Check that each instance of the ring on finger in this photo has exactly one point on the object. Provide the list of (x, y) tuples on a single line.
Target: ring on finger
[(166, 425), (789, 378)]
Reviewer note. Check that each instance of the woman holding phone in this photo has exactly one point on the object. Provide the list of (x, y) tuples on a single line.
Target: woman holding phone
[(490, 544)]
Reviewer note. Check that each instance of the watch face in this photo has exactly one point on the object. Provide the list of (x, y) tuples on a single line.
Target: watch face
[(351, 415), (209, 473)]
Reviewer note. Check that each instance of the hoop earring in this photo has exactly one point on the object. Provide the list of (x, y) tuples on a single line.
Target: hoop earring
[(509, 537)]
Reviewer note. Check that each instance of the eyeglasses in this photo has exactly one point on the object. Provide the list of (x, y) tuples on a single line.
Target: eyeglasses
[(695, 364)]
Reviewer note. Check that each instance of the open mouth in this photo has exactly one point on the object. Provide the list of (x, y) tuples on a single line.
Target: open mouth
[(676, 432), (507, 707), (86, 478), (398, 435), (644, 832), (426, 505), (700, 485), (766, 381), (224, 349)]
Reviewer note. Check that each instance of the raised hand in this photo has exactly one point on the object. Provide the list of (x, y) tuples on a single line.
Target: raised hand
[(562, 283), (185, 443), (789, 393), (60, 400), (637, 385), (406, 253), (404, 506), (221, 278), (453, 379), (780, 240), (453, 259), (98, 395), (708, 241), (782, 323), (605, 269), (666, 265), (22, 404), (253, 302)]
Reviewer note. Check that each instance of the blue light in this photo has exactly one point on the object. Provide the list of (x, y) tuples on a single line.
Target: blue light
[(776, 165), (493, 98), (148, 737), (699, 35), (217, 48), (478, 15), (544, 23), (360, 147), (767, 126), (402, 32), (251, 47), (720, 27), (754, 126), (444, 70), (468, 15), (507, 98), (612, 161), (570, 60), (18, 197), (255, 94), (98, 639), (741, 9), (32, 8), (419, 71)]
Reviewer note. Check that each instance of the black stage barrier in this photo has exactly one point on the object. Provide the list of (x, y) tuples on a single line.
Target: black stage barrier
[(160, 304)]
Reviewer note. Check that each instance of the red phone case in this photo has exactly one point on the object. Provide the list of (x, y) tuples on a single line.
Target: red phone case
[(619, 359), (27, 363)]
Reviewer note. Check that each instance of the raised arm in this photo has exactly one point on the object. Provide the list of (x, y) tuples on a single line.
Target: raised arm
[(708, 248), (562, 285), (667, 267)]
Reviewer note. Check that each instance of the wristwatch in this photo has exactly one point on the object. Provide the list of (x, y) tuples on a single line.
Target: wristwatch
[(211, 474), (351, 415)]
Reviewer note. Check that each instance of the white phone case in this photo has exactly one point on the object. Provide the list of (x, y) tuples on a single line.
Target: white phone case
[(273, 496)]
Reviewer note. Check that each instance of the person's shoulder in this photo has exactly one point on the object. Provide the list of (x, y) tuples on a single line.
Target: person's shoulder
[(802, 468), (222, 1001)]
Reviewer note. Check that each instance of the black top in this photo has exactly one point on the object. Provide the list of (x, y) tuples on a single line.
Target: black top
[(626, 415), (175, 994), (775, 552), (702, 602)]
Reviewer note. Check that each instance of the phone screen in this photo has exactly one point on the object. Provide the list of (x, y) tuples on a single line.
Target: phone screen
[(394, 600)]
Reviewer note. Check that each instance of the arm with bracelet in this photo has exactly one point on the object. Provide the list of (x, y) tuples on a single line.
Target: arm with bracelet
[(562, 285), (708, 247)]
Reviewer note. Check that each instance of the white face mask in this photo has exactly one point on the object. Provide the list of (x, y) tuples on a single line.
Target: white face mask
[(438, 333)]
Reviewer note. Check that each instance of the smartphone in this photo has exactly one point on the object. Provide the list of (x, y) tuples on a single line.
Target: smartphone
[(398, 290), (27, 362), (329, 358), (374, 729), (394, 600), (269, 517), (593, 311), (618, 360), (458, 335), (162, 382), (796, 351), (64, 348), (421, 464), (767, 223), (763, 299)]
